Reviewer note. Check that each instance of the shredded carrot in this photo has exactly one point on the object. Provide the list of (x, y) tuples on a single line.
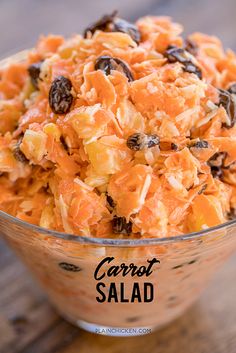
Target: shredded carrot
[(120, 134)]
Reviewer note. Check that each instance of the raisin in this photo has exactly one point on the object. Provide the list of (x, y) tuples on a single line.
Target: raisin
[(120, 226), (69, 267), (18, 154), (217, 164), (227, 101), (232, 89), (103, 24), (216, 172), (173, 146), (110, 201), (140, 141), (60, 96), (127, 27), (232, 213), (111, 23), (34, 72), (201, 144), (191, 47), (107, 64), (175, 54), (64, 144), (152, 140), (193, 69)]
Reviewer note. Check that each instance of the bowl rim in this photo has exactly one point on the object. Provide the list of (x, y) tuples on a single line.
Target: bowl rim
[(21, 55), (115, 242)]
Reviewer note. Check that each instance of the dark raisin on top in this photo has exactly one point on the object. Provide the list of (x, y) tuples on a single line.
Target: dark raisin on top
[(140, 141), (227, 101), (111, 23), (107, 64), (34, 72), (69, 267), (191, 46), (121, 226), (60, 96), (200, 144), (127, 27), (232, 88), (18, 154), (103, 24), (175, 54)]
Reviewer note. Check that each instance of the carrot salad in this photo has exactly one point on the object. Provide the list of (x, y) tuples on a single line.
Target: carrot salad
[(125, 131)]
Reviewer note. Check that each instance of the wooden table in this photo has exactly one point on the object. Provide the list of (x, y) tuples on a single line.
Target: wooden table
[(28, 324)]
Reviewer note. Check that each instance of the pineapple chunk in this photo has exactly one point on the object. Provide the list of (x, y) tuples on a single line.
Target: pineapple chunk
[(108, 155), (89, 122), (53, 130), (206, 211), (34, 145), (46, 220), (7, 161)]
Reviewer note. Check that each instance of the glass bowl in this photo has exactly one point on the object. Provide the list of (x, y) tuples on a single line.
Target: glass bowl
[(80, 279), (65, 267)]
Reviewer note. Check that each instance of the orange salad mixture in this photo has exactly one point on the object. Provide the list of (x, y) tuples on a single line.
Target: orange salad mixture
[(124, 131)]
